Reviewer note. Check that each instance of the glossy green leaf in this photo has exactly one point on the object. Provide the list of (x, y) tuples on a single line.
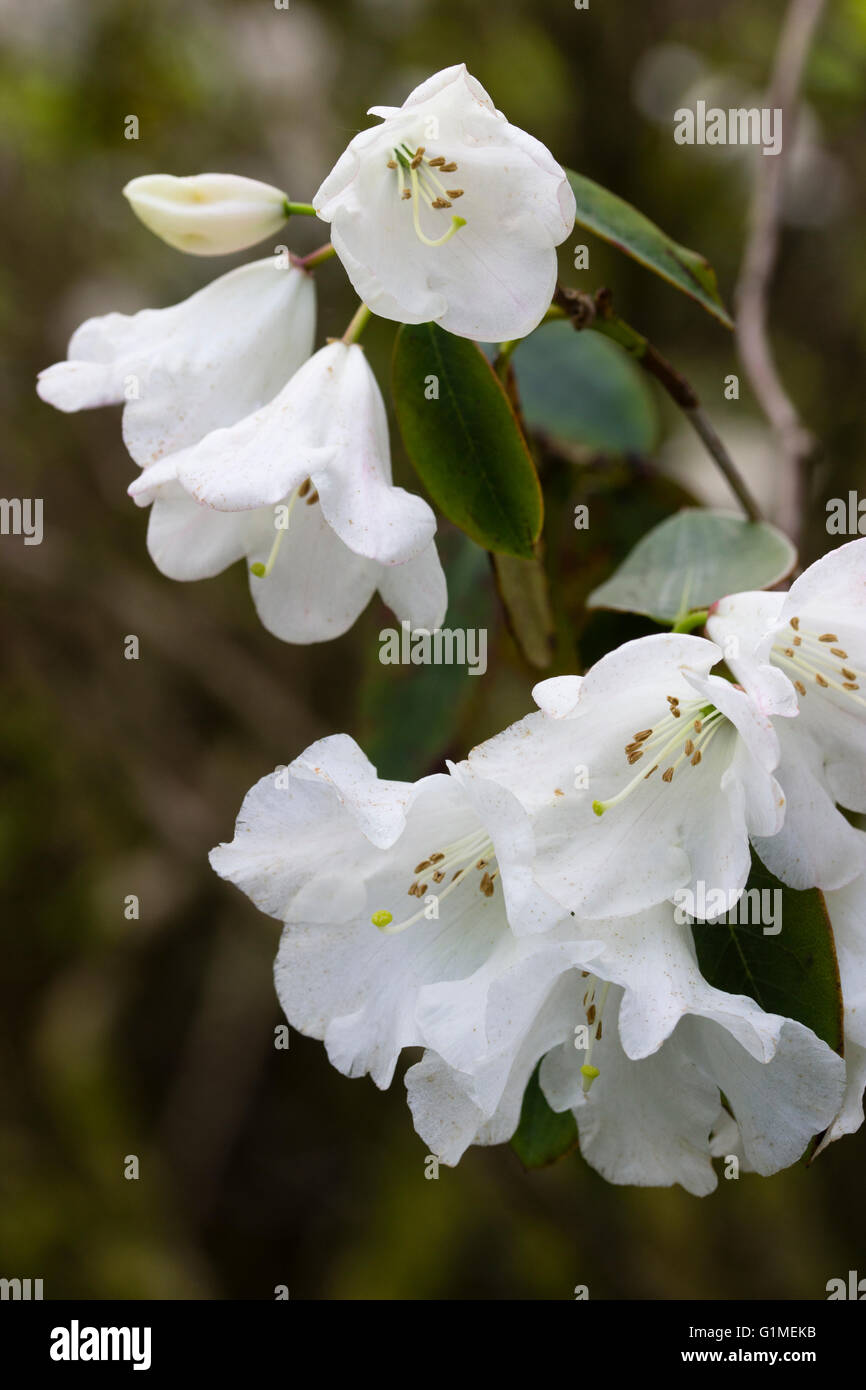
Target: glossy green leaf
[(584, 388), (542, 1136), (793, 972), (464, 441), (616, 221), (692, 559), (525, 595)]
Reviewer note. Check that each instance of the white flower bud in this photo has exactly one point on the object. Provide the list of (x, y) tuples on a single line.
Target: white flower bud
[(207, 214)]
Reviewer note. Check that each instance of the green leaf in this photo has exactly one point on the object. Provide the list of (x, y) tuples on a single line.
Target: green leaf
[(466, 445), (583, 388), (616, 221), (525, 595), (794, 973), (691, 560), (542, 1136)]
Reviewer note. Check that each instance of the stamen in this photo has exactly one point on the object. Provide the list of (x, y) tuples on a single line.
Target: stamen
[(454, 192), (466, 848), (261, 571)]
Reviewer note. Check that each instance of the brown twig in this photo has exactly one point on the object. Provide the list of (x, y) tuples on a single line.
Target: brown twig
[(596, 312), (796, 444)]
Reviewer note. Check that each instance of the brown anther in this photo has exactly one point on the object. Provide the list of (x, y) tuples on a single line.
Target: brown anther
[(668, 774), (422, 889), (676, 712), (392, 164), (487, 886), (798, 642), (634, 757), (413, 163), (598, 1032), (448, 168), (590, 1014), (828, 637), (454, 192), (407, 193), (837, 651), (653, 769), (672, 699), (438, 876), (413, 891), (800, 686), (795, 624), (440, 203), (696, 758), (850, 685), (454, 877), (425, 864), (434, 858), (698, 725), (688, 748), (642, 735), (312, 499), (304, 488), (789, 651), (849, 675), (821, 680), (420, 150), (482, 864), (584, 974), (437, 162)]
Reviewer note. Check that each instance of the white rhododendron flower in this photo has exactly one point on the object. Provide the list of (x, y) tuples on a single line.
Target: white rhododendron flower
[(446, 212), (197, 366), (208, 214), (399, 902), (646, 776), (648, 1104), (809, 643), (847, 910), (302, 488)]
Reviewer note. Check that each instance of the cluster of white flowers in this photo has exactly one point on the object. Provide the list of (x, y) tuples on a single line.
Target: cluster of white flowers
[(540, 924), (242, 432), (542, 872)]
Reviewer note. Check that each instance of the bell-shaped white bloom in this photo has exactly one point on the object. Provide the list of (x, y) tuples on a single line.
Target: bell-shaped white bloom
[(648, 1104), (398, 901), (302, 488), (195, 367), (847, 909), (646, 776), (446, 212), (802, 654), (207, 214)]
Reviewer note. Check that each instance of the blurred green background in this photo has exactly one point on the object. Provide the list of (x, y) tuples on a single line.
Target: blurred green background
[(155, 1037)]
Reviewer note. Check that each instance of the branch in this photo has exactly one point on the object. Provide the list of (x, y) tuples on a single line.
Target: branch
[(796, 444), (596, 312)]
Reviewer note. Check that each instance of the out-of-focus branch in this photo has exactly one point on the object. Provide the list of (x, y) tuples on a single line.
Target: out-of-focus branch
[(596, 313), (796, 444)]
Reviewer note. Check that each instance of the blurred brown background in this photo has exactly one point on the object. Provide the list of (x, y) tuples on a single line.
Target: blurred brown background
[(155, 1037)]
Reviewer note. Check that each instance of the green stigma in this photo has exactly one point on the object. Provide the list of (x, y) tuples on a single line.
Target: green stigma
[(589, 1073), (599, 808), (382, 918), (258, 570)]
